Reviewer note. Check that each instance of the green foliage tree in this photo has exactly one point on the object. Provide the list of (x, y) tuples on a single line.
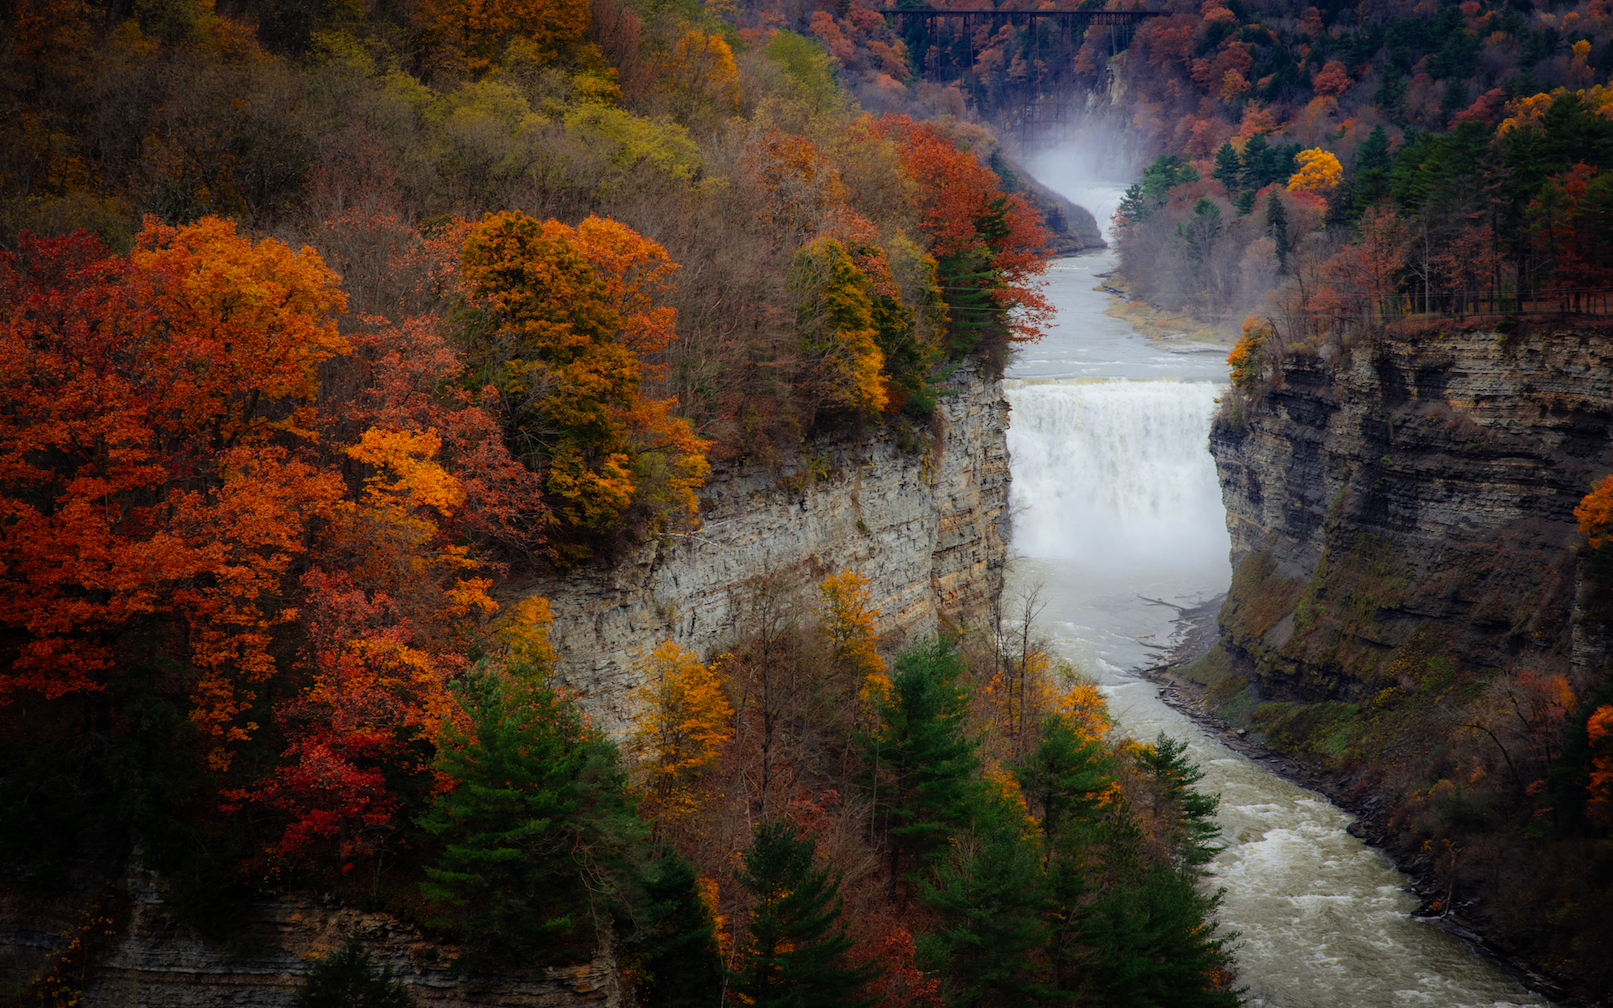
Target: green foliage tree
[(989, 895), (797, 948), (924, 769), (1064, 778), (672, 940), (350, 978), (538, 836), (1228, 166)]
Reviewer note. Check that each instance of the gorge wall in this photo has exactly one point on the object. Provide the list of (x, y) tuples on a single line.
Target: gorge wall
[(1425, 483), (1414, 614), (922, 521)]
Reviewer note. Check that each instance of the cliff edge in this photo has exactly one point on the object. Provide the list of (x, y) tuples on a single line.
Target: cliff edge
[(1413, 610)]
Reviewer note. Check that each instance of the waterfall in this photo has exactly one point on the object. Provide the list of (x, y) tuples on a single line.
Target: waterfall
[(1116, 476)]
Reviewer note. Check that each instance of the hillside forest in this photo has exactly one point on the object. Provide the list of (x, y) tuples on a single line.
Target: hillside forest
[(321, 324), (1332, 175)]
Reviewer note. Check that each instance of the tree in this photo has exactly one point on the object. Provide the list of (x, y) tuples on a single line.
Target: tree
[(349, 978), (538, 835), (1228, 167), (1595, 513), (1277, 227), (149, 473), (924, 768), (1245, 360), (1319, 172), (679, 732), (846, 619), (558, 320), (797, 950), (836, 324), (989, 893)]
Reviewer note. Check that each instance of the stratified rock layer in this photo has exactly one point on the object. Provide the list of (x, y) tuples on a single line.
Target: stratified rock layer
[(923, 523), (1428, 481)]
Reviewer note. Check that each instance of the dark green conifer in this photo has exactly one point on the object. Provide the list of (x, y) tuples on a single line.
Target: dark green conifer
[(797, 947), (924, 770), (1228, 166), (1277, 227), (538, 834)]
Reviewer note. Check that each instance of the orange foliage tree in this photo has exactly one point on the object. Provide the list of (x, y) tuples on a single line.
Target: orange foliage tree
[(152, 492), (557, 319), (991, 247), (1595, 513)]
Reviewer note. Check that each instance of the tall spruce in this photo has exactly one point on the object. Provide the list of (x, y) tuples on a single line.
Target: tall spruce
[(797, 949), (538, 835), (924, 769)]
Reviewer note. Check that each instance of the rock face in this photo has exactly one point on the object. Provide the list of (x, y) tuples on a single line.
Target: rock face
[(1425, 483), (155, 962), (922, 522)]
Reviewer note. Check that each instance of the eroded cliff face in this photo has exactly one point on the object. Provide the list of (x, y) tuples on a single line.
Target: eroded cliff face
[(1425, 485), (923, 523), (1413, 613)]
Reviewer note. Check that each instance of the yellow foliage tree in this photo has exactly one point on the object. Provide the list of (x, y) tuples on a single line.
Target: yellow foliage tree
[(469, 34), (846, 616), (557, 320), (835, 318), (680, 730), (1319, 172), (1244, 360)]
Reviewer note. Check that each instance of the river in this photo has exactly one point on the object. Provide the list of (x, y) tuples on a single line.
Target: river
[(1115, 497)]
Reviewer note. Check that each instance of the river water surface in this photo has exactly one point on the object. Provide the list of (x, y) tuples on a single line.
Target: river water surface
[(1115, 497)]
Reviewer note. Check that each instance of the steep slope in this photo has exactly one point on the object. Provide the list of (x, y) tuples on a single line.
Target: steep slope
[(1412, 607)]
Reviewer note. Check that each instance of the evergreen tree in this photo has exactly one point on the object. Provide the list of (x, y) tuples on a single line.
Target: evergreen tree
[(990, 897), (538, 835), (1245, 203), (923, 768), (673, 944), (797, 949), (1228, 167), (1371, 181), (1064, 778), (1174, 775), (1277, 226), (349, 978), (1255, 150)]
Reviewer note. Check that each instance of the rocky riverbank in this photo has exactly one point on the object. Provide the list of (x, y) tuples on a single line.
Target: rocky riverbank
[(1195, 636)]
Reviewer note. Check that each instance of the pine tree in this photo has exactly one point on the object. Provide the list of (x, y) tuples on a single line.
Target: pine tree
[(1228, 166), (1371, 181), (673, 943), (1064, 777), (1254, 161), (797, 947), (990, 897), (924, 769), (538, 836), (1277, 225)]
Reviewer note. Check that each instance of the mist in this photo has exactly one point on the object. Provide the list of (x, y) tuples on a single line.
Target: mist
[(1091, 167)]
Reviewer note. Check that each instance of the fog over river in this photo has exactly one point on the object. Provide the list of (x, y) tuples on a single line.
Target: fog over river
[(1115, 496)]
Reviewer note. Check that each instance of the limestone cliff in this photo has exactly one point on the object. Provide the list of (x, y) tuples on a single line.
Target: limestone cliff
[(922, 522), (1426, 481), (1413, 613)]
